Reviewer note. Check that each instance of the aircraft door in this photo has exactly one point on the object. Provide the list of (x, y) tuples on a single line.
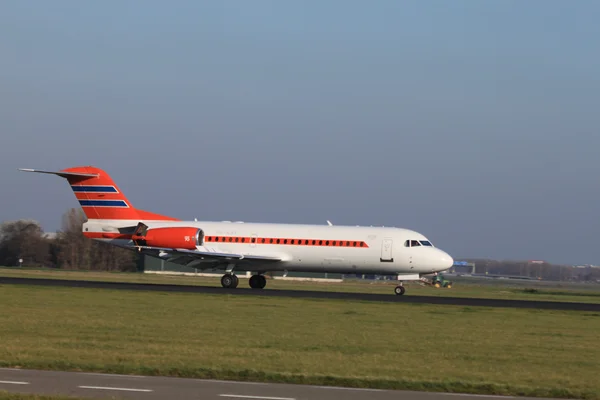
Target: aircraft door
[(386, 250)]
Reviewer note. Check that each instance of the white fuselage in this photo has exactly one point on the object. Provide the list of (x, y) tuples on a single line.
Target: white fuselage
[(307, 248)]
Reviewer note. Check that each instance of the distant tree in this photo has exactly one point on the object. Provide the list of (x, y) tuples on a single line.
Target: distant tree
[(23, 239), (75, 251)]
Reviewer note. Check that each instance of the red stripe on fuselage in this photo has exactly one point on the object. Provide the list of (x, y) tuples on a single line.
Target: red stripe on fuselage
[(286, 241)]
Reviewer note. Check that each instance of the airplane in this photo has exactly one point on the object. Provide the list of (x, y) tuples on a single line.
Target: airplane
[(255, 247)]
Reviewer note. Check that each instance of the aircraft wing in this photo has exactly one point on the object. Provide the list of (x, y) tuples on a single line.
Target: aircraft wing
[(208, 259)]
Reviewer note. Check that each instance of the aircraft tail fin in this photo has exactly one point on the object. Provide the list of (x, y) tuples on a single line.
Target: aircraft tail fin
[(99, 196)]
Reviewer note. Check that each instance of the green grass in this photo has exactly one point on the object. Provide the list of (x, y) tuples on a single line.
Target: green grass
[(517, 290), (312, 341)]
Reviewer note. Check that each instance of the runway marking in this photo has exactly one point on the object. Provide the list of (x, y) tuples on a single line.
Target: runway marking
[(15, 383), (240, 396), (114, 388)]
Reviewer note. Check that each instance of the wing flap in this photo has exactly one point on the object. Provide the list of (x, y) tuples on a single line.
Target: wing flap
[(229, 255), (195, 258)]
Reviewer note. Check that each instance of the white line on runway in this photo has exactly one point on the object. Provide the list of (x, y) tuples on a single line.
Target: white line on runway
[(239, 396), (15, 383), (114, 388)]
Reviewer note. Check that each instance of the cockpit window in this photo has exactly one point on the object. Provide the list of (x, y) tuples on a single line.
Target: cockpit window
[(417, 243)]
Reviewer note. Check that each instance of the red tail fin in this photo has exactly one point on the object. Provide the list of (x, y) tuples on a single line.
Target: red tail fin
[(100, 197)]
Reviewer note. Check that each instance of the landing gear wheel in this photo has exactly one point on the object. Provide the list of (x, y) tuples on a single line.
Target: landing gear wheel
[(229, 281), (258, 281), (399, 290)]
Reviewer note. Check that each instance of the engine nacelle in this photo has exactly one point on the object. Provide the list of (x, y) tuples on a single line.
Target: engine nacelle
[(171, 237)]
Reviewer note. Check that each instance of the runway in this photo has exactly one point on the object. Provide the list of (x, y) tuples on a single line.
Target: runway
[(94, 385), (391, 298)]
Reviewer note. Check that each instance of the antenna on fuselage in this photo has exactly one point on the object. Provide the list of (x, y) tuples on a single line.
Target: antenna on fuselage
[(329, 223)]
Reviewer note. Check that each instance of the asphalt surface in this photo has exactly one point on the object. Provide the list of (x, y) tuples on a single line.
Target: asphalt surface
[(391, 298), (92, 385)]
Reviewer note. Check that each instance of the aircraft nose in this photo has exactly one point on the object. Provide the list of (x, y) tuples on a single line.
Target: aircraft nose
[(447, 260), (443, 260)]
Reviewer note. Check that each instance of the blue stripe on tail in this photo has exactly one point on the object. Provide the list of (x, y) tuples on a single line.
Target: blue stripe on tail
[(94, 189), (103, 203)]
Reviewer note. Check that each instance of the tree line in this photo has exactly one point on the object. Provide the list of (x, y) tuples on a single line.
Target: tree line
[(24, 242)]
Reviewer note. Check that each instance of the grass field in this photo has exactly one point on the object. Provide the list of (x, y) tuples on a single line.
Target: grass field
[(315, 341), (518, 290)]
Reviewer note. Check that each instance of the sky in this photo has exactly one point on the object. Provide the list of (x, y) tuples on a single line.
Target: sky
[(475, 123)]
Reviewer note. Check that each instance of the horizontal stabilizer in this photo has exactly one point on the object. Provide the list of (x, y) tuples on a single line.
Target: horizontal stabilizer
[(98, 195), (60, 173)]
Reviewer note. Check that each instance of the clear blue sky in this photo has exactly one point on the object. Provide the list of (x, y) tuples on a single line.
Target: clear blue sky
[(476, 123)]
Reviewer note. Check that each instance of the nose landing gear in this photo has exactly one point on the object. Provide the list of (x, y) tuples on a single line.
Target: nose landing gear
[(399, 290)]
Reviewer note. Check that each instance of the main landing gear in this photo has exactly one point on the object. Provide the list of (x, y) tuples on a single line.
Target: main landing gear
[(230, 281), (399, 290), (258, 281)]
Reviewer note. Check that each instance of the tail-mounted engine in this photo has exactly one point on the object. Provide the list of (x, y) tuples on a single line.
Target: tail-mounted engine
[(179, 237)]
